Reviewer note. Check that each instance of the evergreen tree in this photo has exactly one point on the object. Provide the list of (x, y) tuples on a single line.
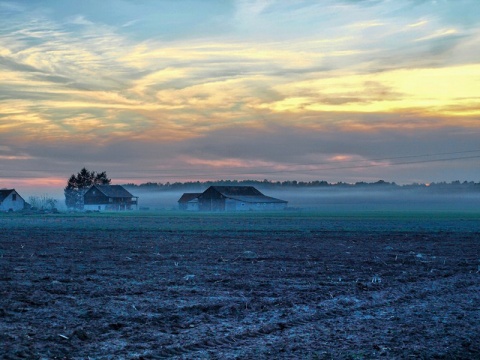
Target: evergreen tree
[(78, 185)]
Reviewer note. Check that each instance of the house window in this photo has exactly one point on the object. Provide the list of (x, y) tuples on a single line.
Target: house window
[(14, 197)]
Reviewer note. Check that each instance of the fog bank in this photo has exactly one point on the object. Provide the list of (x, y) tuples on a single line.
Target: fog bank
[(340, 199)]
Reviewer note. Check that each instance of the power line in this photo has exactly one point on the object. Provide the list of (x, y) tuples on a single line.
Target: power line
[(346, 161), (307, 170), (358, 166), (369, 160), (393, 164)]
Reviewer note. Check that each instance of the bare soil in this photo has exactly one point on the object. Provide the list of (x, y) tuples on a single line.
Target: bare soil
[(247, 287)]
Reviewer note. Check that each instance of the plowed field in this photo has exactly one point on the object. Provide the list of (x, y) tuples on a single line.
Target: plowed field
[(240, 286)]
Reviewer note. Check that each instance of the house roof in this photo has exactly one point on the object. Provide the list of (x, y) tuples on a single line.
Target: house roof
[(246, 194), (113, 191), (4, 193), (188, 197)]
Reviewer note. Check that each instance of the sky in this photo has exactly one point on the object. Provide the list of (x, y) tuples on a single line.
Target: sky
[(187, 90)]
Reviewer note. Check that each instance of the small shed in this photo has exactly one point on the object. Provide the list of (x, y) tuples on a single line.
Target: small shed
[(10, 200), (237, 198), (110, 198), (189, 201)]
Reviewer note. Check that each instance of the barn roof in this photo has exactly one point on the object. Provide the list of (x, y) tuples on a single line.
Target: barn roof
[(4, 193), (186, 197), (113, 191), (246, 194), (237, 191)]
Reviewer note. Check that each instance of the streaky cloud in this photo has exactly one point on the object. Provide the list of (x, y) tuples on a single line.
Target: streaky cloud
[(236, 85)]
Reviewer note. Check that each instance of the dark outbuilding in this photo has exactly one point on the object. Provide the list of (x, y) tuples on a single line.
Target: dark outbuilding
[(237, 198), (110, 198), (189, 201)]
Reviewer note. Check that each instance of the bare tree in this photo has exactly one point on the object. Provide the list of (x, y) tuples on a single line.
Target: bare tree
[(43, 202)]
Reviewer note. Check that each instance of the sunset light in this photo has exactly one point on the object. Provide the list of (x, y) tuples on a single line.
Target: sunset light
[(239, 179), (128, 88)]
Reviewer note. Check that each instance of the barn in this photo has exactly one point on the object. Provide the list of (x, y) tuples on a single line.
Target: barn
[(110, 198), (189, 201), (10, 200), (237, 198)]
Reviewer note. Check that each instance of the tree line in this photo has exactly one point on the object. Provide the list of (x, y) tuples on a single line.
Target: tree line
[(380, 184), (78, 184)]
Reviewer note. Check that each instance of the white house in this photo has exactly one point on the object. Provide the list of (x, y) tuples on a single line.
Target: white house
[(10, 200)]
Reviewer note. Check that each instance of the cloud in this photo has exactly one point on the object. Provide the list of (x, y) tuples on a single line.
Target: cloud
[(80, 20), (9, 153), (252, 8), (131, 23), (439, 34), (11, 7), (333, 152), (271, 84)]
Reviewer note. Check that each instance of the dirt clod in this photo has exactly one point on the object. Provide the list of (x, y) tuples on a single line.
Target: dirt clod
[(131, 287)]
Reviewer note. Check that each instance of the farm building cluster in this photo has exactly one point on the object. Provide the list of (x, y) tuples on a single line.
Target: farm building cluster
[(96, 198), (117, 198)]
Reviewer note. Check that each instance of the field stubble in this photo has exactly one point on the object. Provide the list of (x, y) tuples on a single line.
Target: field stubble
[(174, 285)]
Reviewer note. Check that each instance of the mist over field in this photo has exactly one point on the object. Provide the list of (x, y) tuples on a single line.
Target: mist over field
[(378, 200), (339, 199), (335, 198)]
